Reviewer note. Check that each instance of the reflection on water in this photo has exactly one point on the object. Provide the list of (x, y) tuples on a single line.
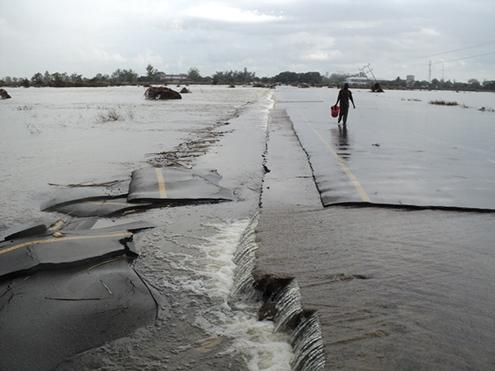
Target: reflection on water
[(340, 141)]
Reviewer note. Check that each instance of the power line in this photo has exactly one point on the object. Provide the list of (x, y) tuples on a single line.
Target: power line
[(468, 57), (461, 49)]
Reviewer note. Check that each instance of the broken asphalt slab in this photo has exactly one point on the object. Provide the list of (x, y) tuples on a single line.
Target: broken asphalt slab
[(45, 250), (51, 315), (62, 295), (102, 207), (148, 188), (176, 184)]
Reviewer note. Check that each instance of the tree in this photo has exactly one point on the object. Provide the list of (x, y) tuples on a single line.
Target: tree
[(489, 85), (76, 79), (474, 83), (37, 79), (193, 74), (25, 83), (233, 77), (312, 78), (151, 72), (287, 77), (57, 80), (47, 78), (124, 76)]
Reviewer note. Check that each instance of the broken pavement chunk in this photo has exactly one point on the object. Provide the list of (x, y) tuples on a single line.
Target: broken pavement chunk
[(148, 188), (72, 246), (62, 296), (74, 193), (104, 207), (56, 314), (23, 231), (176, 184), (22, 255)]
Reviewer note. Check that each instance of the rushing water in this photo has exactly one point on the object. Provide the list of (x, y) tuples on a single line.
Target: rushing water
[(199, 260), (233, 310)]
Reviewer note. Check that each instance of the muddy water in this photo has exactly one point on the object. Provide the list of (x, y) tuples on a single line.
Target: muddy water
[(205, 322), (202, 324), (63, 136), (393, 289)]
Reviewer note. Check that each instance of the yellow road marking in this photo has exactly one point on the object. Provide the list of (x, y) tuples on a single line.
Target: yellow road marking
[(53, 240), (161, 183), (343, 165)]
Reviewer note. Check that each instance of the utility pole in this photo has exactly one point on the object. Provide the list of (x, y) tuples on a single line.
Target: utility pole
[(429, 71), (368, 70)]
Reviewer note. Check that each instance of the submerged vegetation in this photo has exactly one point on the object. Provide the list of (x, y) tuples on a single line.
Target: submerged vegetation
[(443, 103), (109, 116)]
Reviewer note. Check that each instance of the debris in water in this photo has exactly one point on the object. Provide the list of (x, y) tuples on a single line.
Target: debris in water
[(4, 94), (161, 92)]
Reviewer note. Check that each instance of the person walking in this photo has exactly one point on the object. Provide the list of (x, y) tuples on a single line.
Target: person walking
[(344, 97)]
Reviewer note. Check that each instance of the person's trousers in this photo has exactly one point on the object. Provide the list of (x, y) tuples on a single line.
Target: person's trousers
[(344, 110)]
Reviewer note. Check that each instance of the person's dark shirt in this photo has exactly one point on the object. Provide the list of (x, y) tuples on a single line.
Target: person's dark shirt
[(344, 96)]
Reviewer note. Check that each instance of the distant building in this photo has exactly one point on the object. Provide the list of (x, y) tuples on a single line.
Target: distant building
[(410, 79), (172, 78), (357, 81)]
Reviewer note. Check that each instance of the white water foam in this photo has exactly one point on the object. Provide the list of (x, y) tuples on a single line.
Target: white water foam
[(227, 317)]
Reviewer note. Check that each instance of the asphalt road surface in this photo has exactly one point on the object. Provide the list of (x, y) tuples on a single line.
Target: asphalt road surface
[(396, 151), (395, 287)]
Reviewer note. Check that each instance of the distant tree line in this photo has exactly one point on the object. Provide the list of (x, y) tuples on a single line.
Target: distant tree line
[(435, 84), (62, 80), (291, 78), (232, 77)]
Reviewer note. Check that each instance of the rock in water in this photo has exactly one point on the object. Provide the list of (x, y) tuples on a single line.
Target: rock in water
[(161, 92), (185, 91), (376, 88), (4, 94)]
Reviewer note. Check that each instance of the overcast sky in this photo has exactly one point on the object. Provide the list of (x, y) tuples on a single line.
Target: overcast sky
[(397, 37)]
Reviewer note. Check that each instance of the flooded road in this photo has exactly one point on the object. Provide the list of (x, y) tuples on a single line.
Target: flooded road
[(398, 148), (394, 287), (381, 283), (60, 143)]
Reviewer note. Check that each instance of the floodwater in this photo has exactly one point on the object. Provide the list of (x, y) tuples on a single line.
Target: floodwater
[(64, 136), (392, 289), (395, 288), (55, 137)]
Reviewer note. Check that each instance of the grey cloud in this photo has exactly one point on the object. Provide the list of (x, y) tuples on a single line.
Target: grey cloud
[(394, 36)]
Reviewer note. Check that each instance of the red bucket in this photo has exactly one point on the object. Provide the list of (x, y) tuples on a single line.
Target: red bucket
[(334, 111)]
